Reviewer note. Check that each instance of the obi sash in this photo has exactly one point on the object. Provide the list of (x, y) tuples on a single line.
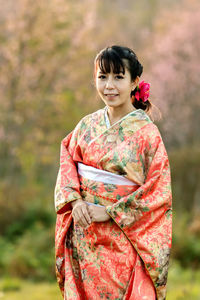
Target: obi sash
[(106, 187), (102, 176)]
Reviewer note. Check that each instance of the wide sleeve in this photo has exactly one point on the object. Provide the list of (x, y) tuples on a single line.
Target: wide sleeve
[(67, 187), (145, 216), (156, 190)]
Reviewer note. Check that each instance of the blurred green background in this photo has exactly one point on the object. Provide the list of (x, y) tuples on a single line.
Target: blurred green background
[(46, 86)]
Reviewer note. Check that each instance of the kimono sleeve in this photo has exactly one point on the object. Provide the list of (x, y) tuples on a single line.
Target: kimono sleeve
[(67, 187), (145, 216), (154, 196)]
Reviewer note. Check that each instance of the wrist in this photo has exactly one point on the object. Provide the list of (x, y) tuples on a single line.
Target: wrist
[(73, 203)]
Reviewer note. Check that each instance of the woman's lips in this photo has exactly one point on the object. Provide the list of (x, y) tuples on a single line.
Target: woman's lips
[(111, 95)]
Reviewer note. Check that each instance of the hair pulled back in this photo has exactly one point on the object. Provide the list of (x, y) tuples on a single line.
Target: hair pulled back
[(116, 58)]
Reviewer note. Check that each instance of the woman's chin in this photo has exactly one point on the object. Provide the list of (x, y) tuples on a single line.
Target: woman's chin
[(112, 102)]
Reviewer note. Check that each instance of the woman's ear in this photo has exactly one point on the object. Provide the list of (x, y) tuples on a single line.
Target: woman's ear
[(135, 82)]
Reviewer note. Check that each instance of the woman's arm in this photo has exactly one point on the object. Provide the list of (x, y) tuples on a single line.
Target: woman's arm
[(67, 190), (154, 193), (67, 187)]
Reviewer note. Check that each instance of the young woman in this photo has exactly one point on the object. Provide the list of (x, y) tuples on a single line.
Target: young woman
[(113, 193)]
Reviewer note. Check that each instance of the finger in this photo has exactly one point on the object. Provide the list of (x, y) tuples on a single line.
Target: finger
[(75, 217), (73, 214), (78, 218), (82, 220), (90, 211), (86, 215)]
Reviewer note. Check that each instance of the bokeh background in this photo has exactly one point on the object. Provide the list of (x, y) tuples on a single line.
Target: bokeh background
[(47, 49)]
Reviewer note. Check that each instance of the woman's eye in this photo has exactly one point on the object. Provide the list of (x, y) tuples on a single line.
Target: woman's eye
[(102, 76)]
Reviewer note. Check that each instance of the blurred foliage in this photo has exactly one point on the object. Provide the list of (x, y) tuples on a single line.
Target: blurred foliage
[(185, 173), (10, 284), (172, 56), (31, 255), (183, 283), (186, 240), (28, 290)]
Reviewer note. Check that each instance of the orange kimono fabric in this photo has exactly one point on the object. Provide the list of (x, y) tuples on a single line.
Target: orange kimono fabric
[(127, 256)]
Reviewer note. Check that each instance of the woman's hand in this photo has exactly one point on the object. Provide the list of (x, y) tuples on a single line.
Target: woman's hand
[(98, 214), (80, 213)]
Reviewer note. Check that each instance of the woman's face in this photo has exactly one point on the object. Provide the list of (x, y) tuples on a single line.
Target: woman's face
[(115, 89)]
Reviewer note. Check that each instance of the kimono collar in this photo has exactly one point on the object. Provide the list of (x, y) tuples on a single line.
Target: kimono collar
[(107, 121)]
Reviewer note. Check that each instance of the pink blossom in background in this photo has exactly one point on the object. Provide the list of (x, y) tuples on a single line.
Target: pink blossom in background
[(174, 71)]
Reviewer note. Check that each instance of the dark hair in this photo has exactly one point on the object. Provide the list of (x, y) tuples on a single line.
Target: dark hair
[(112, 58)]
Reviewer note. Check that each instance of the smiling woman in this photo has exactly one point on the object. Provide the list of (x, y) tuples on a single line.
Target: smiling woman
[(117, 73), (115, 89), (113, 193)]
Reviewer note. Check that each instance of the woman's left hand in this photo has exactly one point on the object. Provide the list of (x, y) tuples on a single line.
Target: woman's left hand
[(98, 214)]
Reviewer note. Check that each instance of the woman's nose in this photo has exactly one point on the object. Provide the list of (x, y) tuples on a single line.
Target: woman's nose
[(109, 83)]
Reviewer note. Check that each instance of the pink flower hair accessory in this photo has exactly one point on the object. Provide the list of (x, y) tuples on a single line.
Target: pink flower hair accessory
[(142, 92)]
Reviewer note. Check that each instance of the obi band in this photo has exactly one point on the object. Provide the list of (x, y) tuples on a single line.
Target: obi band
[(102, 176)]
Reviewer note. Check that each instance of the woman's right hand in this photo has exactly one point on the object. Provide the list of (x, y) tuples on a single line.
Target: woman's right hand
[(80, 213)]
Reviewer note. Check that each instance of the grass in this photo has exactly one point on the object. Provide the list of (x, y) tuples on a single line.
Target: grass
[(31, 291), (182, 285)]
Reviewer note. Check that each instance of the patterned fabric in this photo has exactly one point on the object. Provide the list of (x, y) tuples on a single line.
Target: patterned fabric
[(127, 256)]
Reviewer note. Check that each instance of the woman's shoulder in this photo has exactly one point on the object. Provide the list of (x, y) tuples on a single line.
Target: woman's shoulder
[(94, 116), (86, 122), (150, 131)]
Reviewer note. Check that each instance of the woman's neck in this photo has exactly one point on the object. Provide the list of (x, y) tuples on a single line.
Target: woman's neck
[(117, 113)]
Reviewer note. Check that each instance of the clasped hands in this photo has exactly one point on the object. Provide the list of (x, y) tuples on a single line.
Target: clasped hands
[(84, 214)]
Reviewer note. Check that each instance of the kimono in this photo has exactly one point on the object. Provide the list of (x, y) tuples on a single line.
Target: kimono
[(126, 257)]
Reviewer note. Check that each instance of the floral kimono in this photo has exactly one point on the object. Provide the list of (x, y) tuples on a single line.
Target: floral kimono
[(126, 257)]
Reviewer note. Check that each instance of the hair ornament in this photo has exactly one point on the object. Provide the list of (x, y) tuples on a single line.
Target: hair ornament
[(142, 92)]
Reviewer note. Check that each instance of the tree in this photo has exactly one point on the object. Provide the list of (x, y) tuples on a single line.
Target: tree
[(172, 56)]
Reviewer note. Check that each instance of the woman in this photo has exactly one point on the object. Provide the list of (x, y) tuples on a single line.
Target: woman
[(113, 193)]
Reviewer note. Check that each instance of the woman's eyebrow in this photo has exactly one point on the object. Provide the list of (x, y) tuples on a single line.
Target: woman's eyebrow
[(101, 72)]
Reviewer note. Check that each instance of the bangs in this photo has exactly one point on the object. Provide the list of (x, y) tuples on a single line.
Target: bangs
[(109, 61)]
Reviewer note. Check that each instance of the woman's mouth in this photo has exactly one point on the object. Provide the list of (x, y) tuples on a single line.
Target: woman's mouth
[(111, 95)]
